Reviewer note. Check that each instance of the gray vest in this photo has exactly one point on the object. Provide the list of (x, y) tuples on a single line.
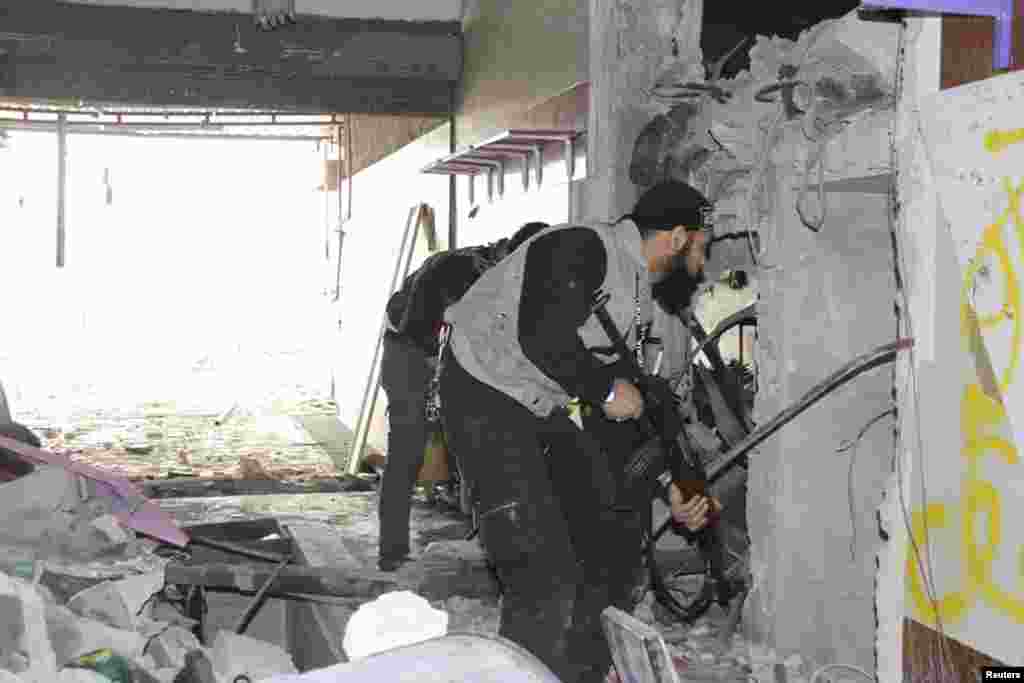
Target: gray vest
[(485, 322)]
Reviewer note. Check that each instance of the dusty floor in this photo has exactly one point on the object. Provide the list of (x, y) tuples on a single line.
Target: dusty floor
[(355, 513), (159, 439)]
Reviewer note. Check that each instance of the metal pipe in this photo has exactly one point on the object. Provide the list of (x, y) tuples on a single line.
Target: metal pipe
[(341, 218), (327, 204), (453, 195), (883, 354), (62, 181), (184, 125), (345, 217), (50, 128), (349, 128), (277, 118)]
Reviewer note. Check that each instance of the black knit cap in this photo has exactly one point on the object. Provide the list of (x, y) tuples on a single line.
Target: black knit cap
[(668, 204)]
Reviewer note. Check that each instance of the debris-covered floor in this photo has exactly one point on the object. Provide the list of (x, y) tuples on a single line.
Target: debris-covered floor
[(87, 599), (353, 516), (283, 438)]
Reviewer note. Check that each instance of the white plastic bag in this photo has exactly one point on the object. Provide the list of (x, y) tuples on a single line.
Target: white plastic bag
[(392, 620)]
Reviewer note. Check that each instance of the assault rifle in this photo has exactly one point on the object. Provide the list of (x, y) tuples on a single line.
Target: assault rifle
[(667, 448)]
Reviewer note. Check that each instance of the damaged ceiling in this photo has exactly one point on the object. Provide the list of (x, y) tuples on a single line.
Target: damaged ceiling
[(172, 57), (727, 23)]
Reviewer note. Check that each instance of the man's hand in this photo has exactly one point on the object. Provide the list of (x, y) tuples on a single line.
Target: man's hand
[(626, 403), (694, 513)]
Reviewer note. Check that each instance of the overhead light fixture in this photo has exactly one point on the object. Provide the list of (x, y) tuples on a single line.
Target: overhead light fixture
[(273, 14)]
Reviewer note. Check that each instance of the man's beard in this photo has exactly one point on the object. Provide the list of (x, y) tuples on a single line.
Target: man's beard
[(676, 290)]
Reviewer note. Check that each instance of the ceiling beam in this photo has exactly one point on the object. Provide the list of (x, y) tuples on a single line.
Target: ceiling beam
[(349, 95), (56, 50), (92, 22)]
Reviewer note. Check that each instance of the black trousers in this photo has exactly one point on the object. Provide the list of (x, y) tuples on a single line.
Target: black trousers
[(405, 375), (550, 523), (619, 441)]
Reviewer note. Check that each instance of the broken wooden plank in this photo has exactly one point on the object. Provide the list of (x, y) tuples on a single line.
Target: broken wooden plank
[(202, 487), (434, 576), (236, 530)]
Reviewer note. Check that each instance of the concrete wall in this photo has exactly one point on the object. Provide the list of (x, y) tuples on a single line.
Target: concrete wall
[(516, 56), (824, 298), (375, 137), (628, 43), (968, 396)]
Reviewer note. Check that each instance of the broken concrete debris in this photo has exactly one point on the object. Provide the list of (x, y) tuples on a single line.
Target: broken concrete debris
[(83, 599), (42, 642), (169, 648)]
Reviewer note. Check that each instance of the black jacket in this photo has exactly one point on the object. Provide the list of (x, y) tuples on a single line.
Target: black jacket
[(416, 310)]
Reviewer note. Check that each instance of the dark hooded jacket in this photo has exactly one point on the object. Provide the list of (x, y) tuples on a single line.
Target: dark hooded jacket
[(416, 310)]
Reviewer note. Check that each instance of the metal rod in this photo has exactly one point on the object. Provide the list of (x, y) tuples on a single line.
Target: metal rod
[(453, 194), (257, 600), (50, 128), (327, 205), (277, 118), (538, 152), (341, 217), (883, 354), (349, 162), (62, 181)]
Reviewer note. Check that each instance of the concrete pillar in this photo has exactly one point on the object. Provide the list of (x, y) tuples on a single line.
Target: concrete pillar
[(824, 298), (629, 42)]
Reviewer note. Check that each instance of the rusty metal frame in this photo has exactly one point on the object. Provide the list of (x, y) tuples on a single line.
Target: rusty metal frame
[(519, 144)]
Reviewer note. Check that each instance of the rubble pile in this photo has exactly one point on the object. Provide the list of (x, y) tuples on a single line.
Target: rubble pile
[(710, 647), (83, 599)]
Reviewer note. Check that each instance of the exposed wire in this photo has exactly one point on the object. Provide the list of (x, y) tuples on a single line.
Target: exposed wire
[(844, 667), (767, 140), (924, 564), (851, 445)]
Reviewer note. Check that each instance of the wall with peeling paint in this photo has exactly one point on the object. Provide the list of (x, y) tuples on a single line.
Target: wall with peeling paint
[(969, 396), (917, 228)]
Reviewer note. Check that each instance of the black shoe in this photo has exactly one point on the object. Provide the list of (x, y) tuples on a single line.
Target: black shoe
[(390, 564)]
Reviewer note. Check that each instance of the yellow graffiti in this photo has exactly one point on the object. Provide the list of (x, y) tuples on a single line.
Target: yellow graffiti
[(997, 141), (983, 422)]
